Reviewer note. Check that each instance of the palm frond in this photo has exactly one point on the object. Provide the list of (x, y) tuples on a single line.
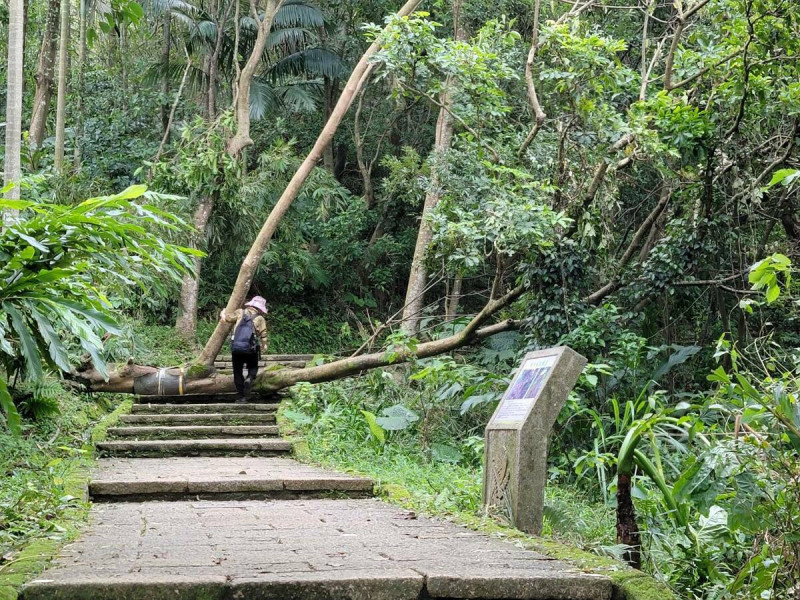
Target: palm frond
[(302, 96), (262, 98), (314, 62), (297, 13), (292, 39)]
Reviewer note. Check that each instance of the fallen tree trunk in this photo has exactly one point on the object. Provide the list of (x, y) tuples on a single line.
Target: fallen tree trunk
[(152, 381)]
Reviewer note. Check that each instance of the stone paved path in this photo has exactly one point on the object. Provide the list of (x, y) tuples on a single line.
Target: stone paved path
[(166, 528)]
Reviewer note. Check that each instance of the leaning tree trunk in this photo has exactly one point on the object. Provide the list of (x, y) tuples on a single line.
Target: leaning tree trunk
[(418, 277), (250, 264), (12, 162), (186, 324), (61, 103), (44, 77)]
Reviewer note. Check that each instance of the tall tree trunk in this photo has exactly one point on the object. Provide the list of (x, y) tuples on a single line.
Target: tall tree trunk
[(418, 277), (186, 324), (164, 111), (78, 148), (190, 286), (11, 161), (331, 91), (44, 77), (61, 103), (250, 264)]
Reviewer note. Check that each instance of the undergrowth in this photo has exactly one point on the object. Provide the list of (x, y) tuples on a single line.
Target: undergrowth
[(39, 498)]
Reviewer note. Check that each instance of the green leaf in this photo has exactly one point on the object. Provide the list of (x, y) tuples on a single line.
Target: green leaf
[(772, 294), (396, 418), (781, 176), (376, 430), (58, 353), (445, 453), (13, 420), (30, 351)]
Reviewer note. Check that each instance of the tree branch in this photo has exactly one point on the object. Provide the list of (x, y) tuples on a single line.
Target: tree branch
[(614, 284)]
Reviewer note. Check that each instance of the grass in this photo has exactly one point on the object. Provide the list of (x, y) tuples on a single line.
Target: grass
[(43, 500)]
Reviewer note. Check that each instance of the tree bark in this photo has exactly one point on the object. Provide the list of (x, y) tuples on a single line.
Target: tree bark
[(61, 103), (242, 140), (12, 159), (417, 278), (165, 50), (78, 149), (44, 77), (250, 264), (331, 90), (186, 324), (627, 529), (454, 298)]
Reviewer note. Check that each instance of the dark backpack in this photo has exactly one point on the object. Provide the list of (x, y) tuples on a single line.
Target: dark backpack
[(244, 338)]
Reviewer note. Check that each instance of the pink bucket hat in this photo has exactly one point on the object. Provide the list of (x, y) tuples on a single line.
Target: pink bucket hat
[(259, 303)]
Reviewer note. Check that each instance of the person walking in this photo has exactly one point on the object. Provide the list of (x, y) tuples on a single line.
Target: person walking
[(248, 340)]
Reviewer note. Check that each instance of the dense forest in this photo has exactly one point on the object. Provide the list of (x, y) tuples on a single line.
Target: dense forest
[(423, 193)]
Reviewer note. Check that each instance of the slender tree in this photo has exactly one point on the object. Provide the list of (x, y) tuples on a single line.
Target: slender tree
[(418, 277), (16, 39), (61, 103), (82, 47), (44, 76)]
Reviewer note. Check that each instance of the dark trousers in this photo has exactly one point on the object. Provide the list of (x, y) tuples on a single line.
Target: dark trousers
[(250, 360)]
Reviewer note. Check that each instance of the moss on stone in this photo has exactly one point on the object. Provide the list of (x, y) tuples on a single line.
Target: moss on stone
[(629, 584), (101, 429), (8, 593)]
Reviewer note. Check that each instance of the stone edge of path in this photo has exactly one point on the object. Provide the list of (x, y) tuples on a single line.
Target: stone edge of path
[(392, 584)]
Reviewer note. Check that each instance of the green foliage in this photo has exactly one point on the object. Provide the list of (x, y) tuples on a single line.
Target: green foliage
[(57, 260)]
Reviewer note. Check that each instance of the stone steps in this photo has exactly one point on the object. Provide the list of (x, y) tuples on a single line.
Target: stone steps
[(229, 419), (193, 432), (213, 408), (297, 550), (202, 399), (214, 478), (200, 447)]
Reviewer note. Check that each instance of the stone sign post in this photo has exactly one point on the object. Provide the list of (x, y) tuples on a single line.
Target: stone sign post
[(518, 433)]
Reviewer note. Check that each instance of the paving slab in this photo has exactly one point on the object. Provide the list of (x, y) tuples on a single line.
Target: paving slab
[(212, 408), (227, 418), (164, 432), (207, 447), (119, 479), (301, 549)]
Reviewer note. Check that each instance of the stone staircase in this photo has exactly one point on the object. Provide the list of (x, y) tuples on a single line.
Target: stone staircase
[(195, 426), (207, 446), (197, 498)]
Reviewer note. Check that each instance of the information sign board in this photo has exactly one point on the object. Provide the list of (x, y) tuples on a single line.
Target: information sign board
[(517, 435)]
